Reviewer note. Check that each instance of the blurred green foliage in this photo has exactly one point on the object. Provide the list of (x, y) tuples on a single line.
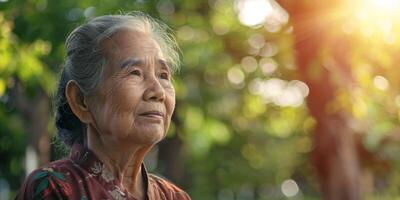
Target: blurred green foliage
[(236, 142)]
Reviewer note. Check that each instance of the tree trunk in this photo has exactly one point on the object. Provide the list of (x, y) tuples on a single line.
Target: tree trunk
[(334, 156), (35, 114), (171, 154)]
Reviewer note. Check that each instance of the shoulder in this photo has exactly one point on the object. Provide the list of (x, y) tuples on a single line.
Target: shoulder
[(48, 182), (168, 189)]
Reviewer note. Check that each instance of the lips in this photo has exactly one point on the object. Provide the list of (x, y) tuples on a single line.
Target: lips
[(152, 114)]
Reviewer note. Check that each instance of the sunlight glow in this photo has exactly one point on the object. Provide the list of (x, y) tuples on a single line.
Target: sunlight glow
[(257, 13), (253, 12), (386, 5), (374, 18), (280, 92)]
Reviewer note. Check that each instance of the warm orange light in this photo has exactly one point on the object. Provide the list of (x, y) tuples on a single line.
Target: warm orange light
[(385, 5), (374, 18)]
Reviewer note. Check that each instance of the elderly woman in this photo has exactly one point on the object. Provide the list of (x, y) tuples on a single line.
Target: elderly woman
[(114, 103)]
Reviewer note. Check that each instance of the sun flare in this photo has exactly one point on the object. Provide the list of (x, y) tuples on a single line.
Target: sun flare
[(374, 18)]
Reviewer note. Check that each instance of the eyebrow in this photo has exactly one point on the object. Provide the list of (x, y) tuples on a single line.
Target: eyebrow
[(130, 62), (133, 61)]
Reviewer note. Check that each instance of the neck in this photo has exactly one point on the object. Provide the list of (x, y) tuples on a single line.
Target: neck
[(123, 161)]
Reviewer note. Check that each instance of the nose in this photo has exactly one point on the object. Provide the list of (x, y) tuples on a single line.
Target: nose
[(154, 90)]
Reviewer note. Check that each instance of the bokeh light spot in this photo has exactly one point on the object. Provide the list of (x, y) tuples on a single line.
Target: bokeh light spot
[(235, 75), (381, 83), (289, 188), (253, 12)]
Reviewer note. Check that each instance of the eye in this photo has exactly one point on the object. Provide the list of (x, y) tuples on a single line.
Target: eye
[(164, 75), (136, 72)]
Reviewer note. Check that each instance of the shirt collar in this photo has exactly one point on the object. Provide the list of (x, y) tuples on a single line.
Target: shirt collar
[(96, 169)]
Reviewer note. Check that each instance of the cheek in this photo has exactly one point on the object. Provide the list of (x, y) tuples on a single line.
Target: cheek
[(116, 121), (125, 97), (108, 116), (123, 105), (99, 110), (115, 114), (170, 101)]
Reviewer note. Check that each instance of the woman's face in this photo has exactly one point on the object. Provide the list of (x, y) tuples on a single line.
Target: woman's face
[(136, 98)]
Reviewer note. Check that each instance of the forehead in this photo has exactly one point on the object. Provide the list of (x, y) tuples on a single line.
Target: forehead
[(133, 44)]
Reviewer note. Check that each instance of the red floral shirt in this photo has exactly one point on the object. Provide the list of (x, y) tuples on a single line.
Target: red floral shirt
[(84, 176)]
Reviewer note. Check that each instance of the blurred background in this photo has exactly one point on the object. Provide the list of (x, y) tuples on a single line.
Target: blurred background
[(288, 99)]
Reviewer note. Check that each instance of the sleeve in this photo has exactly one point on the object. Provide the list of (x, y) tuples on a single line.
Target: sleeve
[(169, 190), (44, 184), (182, 195)]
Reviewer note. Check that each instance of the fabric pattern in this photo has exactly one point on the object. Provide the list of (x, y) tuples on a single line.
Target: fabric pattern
[(83, 176)]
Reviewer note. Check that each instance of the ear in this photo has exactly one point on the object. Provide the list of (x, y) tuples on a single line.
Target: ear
[(77, 103)]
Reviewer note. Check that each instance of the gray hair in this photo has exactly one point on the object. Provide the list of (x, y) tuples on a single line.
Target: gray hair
[(85, 61)]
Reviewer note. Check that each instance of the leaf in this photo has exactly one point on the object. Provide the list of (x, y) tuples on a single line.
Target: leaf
[(42, 186), (39, 175), (2, 87), (58, 175)]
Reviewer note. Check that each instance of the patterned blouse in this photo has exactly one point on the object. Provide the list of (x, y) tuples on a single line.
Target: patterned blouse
[(83, 176)]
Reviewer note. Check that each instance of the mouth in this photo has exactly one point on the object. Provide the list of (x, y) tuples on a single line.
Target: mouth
[(152, 114)]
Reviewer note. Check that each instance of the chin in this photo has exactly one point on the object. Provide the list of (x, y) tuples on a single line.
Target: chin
[(150, 136)]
